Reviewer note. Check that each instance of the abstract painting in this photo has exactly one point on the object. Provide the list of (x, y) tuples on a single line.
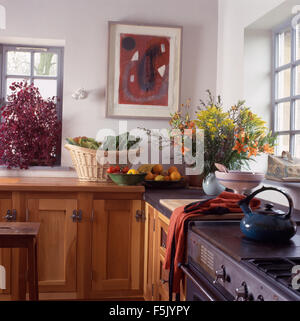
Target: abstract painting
[(143, 71)]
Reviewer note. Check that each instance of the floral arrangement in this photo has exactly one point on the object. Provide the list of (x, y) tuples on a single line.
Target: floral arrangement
[(231, 137), (30, 130), (181, 121)]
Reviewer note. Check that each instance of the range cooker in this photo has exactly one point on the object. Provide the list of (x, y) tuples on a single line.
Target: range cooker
[(223, 265)]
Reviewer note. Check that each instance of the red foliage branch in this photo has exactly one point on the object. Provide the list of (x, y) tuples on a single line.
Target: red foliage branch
[(29, 130)]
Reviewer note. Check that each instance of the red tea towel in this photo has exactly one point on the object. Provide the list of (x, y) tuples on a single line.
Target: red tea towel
[(226, 202)]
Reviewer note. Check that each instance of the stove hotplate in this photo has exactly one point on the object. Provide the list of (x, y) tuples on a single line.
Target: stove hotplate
[(280, 270), (227, 236)]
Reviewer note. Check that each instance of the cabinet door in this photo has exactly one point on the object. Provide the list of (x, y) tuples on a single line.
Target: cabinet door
[(149, 252), (161, 292), (117, 249), (56, 243), (5, 254)]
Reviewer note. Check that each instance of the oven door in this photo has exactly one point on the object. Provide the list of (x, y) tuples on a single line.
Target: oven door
[(199, 288)]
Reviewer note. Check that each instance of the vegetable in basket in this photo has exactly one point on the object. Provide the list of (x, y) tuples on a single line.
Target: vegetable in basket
[(84, 141)]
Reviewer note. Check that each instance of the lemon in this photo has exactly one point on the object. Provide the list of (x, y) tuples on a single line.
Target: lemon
[(132, 172), (159, 178)]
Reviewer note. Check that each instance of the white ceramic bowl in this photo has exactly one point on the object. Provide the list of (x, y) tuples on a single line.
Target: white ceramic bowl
[(240, 181)]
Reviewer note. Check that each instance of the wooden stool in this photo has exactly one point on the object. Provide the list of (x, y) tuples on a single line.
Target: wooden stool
[(23, 235)]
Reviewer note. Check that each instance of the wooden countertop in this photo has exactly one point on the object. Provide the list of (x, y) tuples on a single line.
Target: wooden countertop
[(62, 184)]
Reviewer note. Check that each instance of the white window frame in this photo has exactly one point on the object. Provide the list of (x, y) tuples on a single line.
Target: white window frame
[(275, 69)]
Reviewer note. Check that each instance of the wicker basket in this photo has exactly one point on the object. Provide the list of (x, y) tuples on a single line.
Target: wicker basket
[(85, 162)]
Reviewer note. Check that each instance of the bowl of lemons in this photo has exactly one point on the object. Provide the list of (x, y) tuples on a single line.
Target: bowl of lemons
[(125, 176)]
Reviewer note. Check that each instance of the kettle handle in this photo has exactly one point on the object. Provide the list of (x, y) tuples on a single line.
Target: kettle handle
[(246, 201)]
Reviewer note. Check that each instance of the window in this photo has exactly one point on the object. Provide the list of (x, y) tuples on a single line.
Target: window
[(286, 88), (42, 66)]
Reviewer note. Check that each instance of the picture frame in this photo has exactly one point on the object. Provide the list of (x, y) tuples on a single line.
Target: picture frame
[(144, 70)]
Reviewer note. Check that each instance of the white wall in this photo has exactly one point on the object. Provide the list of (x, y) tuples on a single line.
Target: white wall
[(257, 82), (234, 17), (257, 72), (82, 26)]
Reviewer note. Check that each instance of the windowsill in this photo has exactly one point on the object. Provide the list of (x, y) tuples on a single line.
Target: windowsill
[(295, 185), (39, 168), (39, 171)]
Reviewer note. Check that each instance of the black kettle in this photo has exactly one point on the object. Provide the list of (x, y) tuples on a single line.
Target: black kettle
[(267, 225)]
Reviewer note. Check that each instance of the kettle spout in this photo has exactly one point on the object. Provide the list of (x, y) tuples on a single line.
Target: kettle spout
[(244, 205)]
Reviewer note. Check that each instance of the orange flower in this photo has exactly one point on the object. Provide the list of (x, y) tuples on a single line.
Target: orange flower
[(241, 136), (239, 147), (268, 149), (252, 151), (191, 125)]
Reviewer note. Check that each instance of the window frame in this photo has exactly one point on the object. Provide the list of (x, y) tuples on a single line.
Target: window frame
[(4, 48), (293, 97)]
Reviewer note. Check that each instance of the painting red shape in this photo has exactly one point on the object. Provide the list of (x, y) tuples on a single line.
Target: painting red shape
[(144, 70)]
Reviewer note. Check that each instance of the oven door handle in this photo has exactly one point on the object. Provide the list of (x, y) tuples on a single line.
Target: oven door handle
[(192, 276)]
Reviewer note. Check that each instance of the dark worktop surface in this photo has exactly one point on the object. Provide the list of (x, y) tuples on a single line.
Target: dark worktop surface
[(227, 236), (153, 196)]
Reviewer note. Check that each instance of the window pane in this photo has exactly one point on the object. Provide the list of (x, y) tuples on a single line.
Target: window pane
[(283, 116), (298, 42), (297, 115), (283, 144), (9, 81), (45, 64), (284, 83), (18, 63), (297, 85), (47, 87), (297, 149), (284, 48)]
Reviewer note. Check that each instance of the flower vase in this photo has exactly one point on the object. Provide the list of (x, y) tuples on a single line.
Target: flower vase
[(211, 186)]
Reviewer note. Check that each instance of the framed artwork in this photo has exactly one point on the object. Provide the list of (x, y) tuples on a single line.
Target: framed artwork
[(144, 65)]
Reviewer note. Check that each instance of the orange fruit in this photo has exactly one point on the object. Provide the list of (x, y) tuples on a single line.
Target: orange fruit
[(172, 169), (167, 178), (157, 169), (175, 176), (149, 176)]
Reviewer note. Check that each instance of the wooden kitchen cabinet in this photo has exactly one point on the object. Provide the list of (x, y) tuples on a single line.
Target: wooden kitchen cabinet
[(57, 241), (156, 280), (161, 275), (117, 248), (149, 252), (96, 254)]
